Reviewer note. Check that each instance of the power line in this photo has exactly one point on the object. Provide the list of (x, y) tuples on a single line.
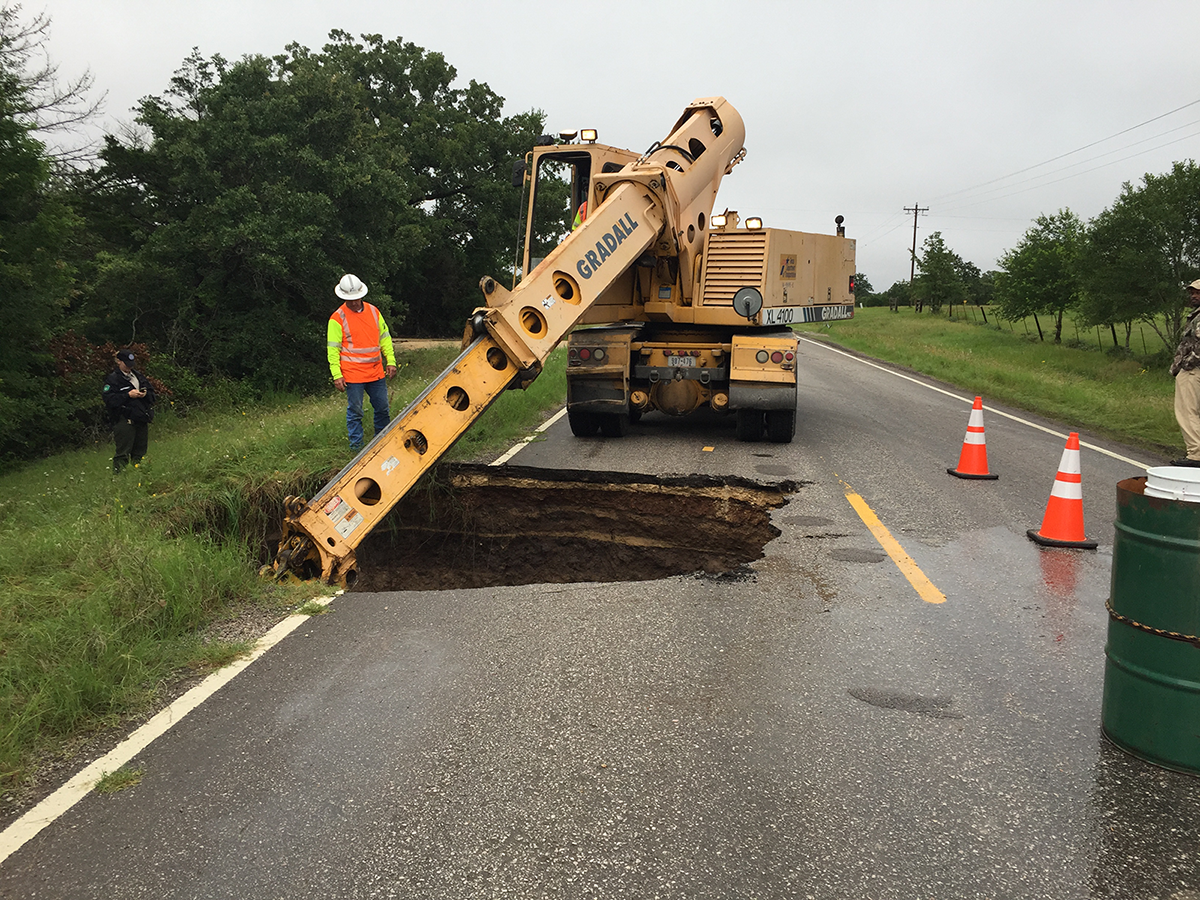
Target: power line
[(1069, 153), (1084, 162), (871, 235), (1113, 162)]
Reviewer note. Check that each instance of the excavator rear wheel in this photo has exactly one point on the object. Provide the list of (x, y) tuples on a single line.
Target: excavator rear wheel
[(749, 425), (583, 424), (614, 424), (781, 425)]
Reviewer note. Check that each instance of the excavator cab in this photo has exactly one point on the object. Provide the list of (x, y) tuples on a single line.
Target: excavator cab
[(561, 193)]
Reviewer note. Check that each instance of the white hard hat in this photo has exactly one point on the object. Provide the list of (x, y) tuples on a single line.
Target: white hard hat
[(350, 288)]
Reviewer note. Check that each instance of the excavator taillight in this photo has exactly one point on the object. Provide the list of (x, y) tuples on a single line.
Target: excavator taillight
[(789, 356), (583, 354), (776, 357)]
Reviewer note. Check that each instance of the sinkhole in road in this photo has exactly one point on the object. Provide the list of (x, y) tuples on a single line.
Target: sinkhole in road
[(479, 526)]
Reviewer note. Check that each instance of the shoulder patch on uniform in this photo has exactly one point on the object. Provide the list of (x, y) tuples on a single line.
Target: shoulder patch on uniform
[(108, 387)]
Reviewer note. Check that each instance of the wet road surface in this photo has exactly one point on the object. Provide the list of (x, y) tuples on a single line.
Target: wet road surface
[(809, 727)]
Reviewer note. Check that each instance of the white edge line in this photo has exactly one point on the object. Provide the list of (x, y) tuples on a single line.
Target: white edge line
[(991, 411), (50, 808), (521, 444)]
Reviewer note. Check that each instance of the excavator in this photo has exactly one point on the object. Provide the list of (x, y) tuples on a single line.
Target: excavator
[(667, 307)]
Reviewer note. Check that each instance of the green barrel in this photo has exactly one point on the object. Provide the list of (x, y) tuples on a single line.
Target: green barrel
[(1152, 672)]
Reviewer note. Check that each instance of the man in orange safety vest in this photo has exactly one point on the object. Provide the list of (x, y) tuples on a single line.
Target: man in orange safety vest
[(360, 357)]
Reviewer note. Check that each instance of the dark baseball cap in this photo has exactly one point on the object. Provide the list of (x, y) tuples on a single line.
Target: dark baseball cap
[(125, 356)]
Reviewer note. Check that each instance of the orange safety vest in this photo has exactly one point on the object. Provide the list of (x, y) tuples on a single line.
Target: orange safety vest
[(360, 356)]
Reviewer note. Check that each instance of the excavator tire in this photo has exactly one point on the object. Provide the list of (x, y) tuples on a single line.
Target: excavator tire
[(781, 425), (614, 424), (749, 425), (583, 424)]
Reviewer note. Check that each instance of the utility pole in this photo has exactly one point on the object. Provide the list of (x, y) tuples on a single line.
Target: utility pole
[(916, 210)]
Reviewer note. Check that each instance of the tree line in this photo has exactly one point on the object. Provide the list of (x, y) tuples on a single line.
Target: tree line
[(211, 232), (1126, 266)]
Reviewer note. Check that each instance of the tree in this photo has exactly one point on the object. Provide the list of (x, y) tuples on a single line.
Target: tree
[(39, 99), (1040, 275), (985, 290), (220, 237), (35, 224), (862, 288), (939, 280), (459, 155), (1140, 252)]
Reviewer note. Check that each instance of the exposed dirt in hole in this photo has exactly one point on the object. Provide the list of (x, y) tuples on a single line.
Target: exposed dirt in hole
[(477, 526)]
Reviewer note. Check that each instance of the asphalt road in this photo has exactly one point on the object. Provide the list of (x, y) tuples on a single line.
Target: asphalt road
[(809, 728)]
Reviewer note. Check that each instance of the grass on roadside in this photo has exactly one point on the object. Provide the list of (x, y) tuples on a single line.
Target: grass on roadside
[(1124, 396), (110, 584), (113, 782)]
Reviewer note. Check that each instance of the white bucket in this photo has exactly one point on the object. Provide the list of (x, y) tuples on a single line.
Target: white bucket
[(1174, 483)]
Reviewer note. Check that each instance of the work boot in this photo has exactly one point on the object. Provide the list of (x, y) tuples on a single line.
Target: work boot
[(1195, 463)]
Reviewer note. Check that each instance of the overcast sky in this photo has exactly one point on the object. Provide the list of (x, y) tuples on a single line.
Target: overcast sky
[(987, 113)]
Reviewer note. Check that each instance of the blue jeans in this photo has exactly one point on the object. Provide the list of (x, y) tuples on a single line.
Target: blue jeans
[(376, 392)]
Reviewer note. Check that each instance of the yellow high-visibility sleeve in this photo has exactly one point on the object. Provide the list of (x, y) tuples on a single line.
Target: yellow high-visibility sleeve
[(333, 339), (385, 342)]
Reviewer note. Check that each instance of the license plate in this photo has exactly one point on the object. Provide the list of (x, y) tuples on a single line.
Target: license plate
[(681, 362)]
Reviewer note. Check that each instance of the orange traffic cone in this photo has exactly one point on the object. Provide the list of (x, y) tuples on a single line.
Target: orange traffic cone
[(972, 462), (1062, 525)]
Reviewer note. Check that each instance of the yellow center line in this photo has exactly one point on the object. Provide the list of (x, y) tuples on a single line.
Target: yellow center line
[(922, 585)]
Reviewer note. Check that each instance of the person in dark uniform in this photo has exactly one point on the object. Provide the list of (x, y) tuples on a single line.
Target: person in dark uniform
[(129, 399)]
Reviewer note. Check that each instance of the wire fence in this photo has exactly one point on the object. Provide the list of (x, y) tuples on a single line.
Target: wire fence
[(1146, 339)]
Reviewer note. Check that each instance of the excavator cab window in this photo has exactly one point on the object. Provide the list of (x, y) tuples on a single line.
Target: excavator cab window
[(561, 182)]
